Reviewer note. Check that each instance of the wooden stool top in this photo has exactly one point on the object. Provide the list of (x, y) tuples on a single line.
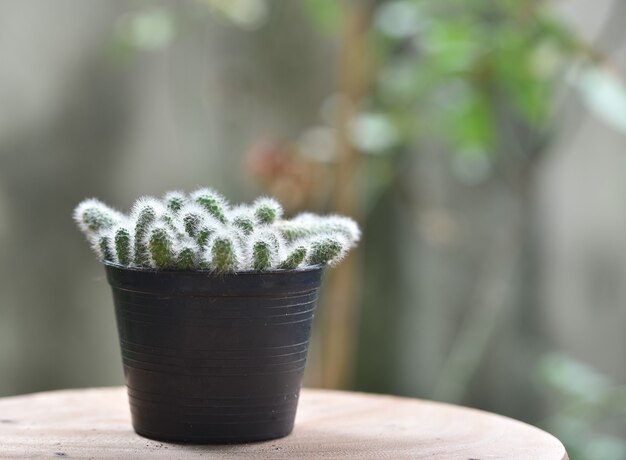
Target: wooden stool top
[(95, 423)]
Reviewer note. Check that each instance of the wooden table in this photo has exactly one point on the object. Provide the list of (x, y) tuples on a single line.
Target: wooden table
[(95, 423)]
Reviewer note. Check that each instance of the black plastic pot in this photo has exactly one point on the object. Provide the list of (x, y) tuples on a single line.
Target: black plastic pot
[(213, 358)]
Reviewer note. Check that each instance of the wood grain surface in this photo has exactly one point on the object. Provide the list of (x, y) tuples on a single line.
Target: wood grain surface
[(95, 423)]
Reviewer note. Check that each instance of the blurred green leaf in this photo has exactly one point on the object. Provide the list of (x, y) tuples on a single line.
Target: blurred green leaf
[(590, 409), (247, 14), (325, 14), (456, 64), (454, 45), (526, 85), (151, 29), (572, 378), (470, 122), (584, 443)]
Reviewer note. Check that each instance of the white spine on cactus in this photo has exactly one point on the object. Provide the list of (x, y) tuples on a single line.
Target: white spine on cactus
[(305, 217), (174, 223), (327, 249), (242, 217), (224, 252), (267, 210), (102, 244), (175, 200), (187, 254), (92, 215), (327, 224), (192, 217), (272, 239), (146, 212), (341, 224), (141, 203), (241, 210), (213, 202), (120, 233), (164, 255), (202, 232)]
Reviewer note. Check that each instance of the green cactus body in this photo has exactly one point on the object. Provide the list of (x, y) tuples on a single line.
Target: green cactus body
[(186, 258), (203, 237), (169, 220), (294, 259), (208, 228), (146, 215), (276, 238), (160, 247), (212, 202), (106, 248), (93, 216), (173, 223), (267, 210), (204, 265), (292, 231), (192, 224), (245, 223), (264, 246), (326, 250), (175, 201), (224, 257), (192, 217), (202, 232), (261, 256), (123, 249), (97, 220), (213, 207)]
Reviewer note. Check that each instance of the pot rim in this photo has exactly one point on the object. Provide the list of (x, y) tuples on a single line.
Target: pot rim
[(308, 268)]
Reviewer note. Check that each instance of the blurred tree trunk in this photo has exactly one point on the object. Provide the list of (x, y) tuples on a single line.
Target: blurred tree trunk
[(339, 314), (339, 317)]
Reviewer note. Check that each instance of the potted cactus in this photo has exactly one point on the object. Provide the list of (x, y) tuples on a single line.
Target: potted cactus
[(214, 305)]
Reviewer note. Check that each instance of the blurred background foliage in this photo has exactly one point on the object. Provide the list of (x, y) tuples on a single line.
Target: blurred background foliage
[(480, 144)]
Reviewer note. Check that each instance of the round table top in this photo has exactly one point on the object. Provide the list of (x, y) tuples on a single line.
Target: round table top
[(95, 423)]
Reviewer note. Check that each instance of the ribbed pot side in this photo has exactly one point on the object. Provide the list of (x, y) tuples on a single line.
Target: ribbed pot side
[(213, 358)]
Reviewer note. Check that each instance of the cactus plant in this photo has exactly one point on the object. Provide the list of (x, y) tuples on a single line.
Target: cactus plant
[(105, 247), (264, 247), (160, 246), (267, 210), (93, 216), (212, 202), (224, 255), (294, 258), (187, 256), (192, 218), (174, 200), (123, 245), (327, 249), (243, 218), (201, 231), (144, 213)]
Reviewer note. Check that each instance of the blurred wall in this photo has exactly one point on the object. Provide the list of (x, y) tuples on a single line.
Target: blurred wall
[(582, 192), (82, 115)]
